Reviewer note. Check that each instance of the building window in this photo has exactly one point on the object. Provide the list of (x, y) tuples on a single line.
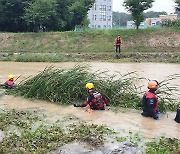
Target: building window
[(102, 17), (109, 18), (94, 17), (102, 7), (109, 8), (94, 7)]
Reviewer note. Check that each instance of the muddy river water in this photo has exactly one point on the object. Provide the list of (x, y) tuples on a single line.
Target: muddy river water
[(128, 120)]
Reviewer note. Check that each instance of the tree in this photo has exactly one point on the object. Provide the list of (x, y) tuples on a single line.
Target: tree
[(120, 19), (177, 12), (11, 12), (152, 14), (52, 15), (178, 5), (41, 15), (136, 8), (57, 14), (77, 12)]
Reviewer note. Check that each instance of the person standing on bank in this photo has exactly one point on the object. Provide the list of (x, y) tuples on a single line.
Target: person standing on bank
[(118, 43)]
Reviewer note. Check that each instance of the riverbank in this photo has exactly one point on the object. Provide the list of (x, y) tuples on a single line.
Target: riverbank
[(95, 41), (123, 57), (144, 45)]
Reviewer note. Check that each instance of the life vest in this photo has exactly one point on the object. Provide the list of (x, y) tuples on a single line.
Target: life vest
[(97, 101), (118, 41), (9, 83), (152, 101), (177, 118)]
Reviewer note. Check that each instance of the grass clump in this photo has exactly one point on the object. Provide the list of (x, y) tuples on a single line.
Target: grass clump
[(40, 140), (92, 134), (11, 118), (44, 138), (163, 146), (68, 86), (38, 57), (167, 94)]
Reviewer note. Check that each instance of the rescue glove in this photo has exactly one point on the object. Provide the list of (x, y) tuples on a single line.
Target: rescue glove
[(76, 105)]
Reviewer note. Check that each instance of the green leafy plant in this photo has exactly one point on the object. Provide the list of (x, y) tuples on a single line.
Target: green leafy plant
[(164, 145)]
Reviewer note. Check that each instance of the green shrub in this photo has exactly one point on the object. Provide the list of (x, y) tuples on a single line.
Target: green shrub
[(164, 146)]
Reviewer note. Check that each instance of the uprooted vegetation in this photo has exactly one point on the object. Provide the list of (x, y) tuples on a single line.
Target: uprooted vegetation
[(68, 87)]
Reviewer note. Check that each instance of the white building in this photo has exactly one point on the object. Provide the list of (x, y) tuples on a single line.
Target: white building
[(100, 15)]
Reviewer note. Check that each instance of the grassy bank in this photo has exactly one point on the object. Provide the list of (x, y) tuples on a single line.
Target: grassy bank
[(170, 57), (143, 40)]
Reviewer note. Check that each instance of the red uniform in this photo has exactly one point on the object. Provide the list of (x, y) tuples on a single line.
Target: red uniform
[(9, 84), (95, 100), (150, 104)]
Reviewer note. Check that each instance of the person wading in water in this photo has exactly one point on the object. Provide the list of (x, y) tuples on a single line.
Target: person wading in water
[(150, 101), (95, 100)]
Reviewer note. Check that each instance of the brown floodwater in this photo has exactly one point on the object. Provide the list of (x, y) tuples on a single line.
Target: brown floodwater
[(129, 120), (125, 121), (153, 71)]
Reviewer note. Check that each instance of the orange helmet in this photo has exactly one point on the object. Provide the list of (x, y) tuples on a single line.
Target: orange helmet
[(152, 85)]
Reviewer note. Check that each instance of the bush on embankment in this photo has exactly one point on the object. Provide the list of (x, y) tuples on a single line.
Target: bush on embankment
[(143, 40), (68, 86)]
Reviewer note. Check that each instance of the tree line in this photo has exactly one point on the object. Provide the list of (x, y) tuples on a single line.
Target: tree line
[(121, 18), (137, 8), (62, 15), (49, 15)]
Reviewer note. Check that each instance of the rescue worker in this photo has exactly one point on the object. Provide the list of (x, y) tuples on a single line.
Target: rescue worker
[(10, 82), (177, 118), (95, 100), (117, 44), (150, 101)]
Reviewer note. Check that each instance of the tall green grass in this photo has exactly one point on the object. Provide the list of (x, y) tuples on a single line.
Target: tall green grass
[(68, 87), (168, 94)]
